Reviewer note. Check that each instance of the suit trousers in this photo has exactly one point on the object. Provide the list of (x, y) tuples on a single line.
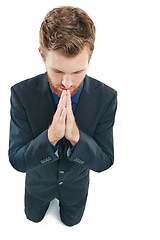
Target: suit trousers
[(35, 210)]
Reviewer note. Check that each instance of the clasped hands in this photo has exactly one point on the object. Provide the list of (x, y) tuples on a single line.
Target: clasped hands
[(63, 123)]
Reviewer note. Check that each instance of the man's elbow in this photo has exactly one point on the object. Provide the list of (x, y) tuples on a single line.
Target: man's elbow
[(16, 163)]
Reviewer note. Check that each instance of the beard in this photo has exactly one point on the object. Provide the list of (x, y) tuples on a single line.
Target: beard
[(57, 89)]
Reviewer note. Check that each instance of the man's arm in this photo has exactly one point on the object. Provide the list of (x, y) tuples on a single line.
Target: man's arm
[(25, 151), (97, 153)]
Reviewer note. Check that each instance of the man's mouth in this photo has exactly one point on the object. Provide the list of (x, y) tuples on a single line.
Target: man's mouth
[(65, 89)]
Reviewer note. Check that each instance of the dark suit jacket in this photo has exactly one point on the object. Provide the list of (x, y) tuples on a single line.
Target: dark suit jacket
[(32, 110)]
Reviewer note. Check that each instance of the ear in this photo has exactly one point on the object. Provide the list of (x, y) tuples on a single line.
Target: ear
[(42, 56)]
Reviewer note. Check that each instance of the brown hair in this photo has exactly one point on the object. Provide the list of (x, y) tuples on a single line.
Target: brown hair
[(67, 29)]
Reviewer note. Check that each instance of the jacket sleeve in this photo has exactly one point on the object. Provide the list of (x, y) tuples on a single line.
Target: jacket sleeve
[(97, 152), (25, 151)]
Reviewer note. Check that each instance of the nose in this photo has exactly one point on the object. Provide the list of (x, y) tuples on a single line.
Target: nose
[(67, 81)]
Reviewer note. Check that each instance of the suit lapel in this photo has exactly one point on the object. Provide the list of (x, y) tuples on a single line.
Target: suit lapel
[(45, 103), (85, 105)]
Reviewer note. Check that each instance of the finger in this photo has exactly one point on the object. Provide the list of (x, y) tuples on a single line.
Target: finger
[(62, 97), (61, 104), (69, 117), (69, 104), (60, 107), (62, 118)]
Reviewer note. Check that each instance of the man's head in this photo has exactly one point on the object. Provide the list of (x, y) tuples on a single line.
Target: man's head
[(67, 37), (68, 30)]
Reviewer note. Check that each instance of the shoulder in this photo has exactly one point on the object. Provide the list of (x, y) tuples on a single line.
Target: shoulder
[(28, 83), (27, 89), (100, 89)]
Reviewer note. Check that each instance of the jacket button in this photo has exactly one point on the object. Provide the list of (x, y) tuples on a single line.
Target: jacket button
[(61, 172), (60, 183)]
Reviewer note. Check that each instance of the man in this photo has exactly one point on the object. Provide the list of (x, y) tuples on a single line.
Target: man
[(62, 120)]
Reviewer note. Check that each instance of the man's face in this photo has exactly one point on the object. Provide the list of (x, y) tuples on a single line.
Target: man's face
[(66, 73)]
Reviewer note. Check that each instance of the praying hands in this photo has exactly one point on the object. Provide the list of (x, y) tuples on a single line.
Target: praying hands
[(63, 123)]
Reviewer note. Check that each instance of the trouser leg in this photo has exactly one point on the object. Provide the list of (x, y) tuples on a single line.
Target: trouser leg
[(72, 215), (35, 209)]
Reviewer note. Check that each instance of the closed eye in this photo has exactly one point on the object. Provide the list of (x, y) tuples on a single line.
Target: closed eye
[(78, 72), (57, 71), (60, 72)]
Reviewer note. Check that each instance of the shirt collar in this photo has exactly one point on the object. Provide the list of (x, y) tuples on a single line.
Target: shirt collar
[(74, 98)]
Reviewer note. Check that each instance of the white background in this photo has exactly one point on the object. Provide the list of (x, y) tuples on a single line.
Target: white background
[(123, 202)]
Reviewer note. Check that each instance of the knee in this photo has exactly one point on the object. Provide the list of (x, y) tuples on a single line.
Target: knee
[(33, 219), (69, 223)]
